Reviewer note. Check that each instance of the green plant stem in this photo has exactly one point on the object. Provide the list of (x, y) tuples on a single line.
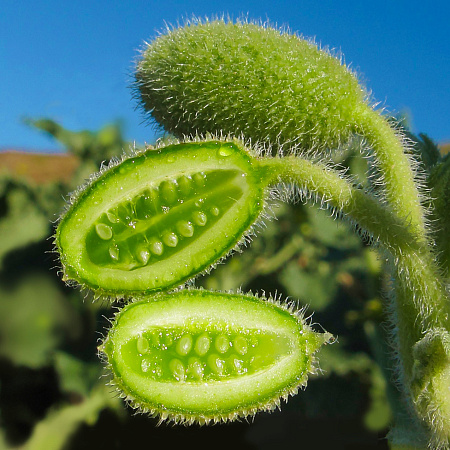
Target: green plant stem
[(334, 189), (421, 304), (415, 263), (395, 168)]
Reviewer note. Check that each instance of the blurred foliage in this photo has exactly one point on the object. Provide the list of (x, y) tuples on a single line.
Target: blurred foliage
[(52, 393)]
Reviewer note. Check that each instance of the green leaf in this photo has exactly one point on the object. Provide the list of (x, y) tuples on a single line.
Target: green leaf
[(35, 317), (53, 432), (22, 221), (75, 375)]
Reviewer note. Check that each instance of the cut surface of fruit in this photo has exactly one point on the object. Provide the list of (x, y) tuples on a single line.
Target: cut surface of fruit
[(161, 217)]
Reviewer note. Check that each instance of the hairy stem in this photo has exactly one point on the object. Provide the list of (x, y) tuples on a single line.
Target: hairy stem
[(400, 188), (421, 309), (336, 191)]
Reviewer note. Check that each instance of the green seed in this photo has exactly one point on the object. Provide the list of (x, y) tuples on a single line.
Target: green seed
[(104, 231), (240, 345), (226, 356), (195, 368), (215, 364), (160, 218), (143, 253), (177, 369), (169, 192), (202, 344), (185, 228), (236, 364), (142, 345), (185, 186), (156, 246), (114, 252), (184, 345), (170, 239), (222, 343), (199, 218)]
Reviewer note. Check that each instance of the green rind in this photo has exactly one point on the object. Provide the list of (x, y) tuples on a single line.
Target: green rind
[(218, 400), (135, 174)]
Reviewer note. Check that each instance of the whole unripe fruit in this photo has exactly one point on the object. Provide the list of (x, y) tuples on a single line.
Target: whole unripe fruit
[(200, 356), (243, 78)]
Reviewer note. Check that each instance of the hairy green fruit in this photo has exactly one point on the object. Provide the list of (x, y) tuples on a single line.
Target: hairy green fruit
[(271, 87), (159, 218), (198, 356), (245, 78)]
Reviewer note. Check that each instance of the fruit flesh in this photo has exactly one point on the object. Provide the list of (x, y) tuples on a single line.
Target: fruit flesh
[(209, 355), (160, 218), (159, 222), (177, 354)]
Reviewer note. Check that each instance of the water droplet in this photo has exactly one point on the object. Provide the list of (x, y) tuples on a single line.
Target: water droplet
[(103, 231), (226, 150), (202, 344), (184, 345), (170, 239), (222, 343), (199, 218), (215, 211), (186, 229)]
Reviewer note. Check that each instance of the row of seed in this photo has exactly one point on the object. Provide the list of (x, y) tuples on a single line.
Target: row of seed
[(154, 245), (200, 345), (196, 369)]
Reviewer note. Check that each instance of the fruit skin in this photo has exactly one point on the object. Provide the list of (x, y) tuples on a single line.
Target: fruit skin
[(244, 78), (171, 393), (184, 234)]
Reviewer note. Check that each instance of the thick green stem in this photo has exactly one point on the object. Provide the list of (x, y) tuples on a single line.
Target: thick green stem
[(421, 302), (421, 305), (400, 188), (332, 188)]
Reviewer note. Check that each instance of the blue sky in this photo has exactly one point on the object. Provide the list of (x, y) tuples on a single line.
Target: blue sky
[(72, 60)]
